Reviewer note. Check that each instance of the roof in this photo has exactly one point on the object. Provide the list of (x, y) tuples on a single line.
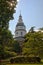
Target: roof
[(20, 24), (20, 21)]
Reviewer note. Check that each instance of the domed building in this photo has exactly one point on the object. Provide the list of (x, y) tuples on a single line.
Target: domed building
[(20, 30)]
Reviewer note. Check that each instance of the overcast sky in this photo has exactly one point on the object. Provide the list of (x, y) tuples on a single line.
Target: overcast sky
[(32, 14)]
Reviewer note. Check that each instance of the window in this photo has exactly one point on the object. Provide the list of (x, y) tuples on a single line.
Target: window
[(16, 32), (21, 33)]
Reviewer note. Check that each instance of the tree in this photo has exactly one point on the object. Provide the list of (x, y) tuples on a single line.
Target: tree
[(41, 29), (6, 14), (33, 44), (7, 8), (5, 36), (16, 47), (5, 41), (32, 29)]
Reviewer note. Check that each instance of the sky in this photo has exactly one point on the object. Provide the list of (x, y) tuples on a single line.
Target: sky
[(32, 14)]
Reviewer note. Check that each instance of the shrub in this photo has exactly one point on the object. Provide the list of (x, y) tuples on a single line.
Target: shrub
[(27, 59), (11, 60)]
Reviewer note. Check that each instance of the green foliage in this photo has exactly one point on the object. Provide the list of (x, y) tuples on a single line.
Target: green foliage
[(41, 28), (7, 8), (1, 50), (5, 35), (24, 59), (32, 29), (33, 44), (9, 54), (16, 47)]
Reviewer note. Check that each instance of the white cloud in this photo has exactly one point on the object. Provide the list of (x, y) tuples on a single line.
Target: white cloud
[(18, 0)]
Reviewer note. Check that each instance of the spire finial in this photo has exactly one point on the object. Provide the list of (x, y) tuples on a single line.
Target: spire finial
[(20, 13)]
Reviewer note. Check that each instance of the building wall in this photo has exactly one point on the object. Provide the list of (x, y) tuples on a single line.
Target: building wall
[(20, 27), (20, 33)]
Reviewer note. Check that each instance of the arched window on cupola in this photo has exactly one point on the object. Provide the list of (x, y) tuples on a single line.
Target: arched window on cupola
[(21, 33)]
